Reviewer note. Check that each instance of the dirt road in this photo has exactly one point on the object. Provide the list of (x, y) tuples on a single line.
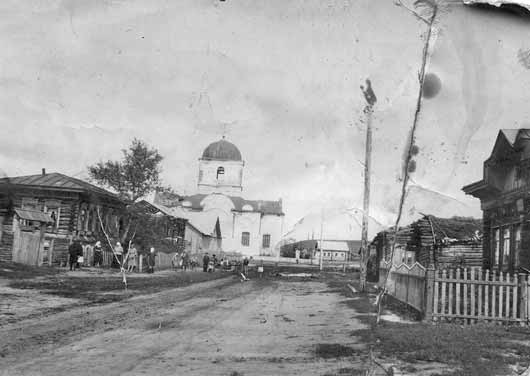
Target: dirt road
[(221, 327)]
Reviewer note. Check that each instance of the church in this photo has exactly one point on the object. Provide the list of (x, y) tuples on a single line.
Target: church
[(248, 227)]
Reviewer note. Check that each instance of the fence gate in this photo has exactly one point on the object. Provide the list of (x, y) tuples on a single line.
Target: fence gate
[(27, 248)]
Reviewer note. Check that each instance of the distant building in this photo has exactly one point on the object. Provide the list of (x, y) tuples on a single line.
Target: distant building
[(40, 214), (505, 201), (248, 227), (332, 250)]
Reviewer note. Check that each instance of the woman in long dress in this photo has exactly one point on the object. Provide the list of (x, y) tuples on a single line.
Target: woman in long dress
[(132, 257)]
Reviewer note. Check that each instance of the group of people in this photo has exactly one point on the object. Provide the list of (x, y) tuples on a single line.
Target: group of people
[(209, 263), (79, 255), (184, 261)]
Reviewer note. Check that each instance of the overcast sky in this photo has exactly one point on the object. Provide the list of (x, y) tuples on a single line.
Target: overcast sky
[(80, 79)]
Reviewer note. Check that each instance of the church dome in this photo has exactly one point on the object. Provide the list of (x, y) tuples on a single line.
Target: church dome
[(222, 150)]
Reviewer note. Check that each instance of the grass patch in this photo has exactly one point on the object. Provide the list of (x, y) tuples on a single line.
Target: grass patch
[(109, 288), (474, 349), (13, 270), (333, 350)]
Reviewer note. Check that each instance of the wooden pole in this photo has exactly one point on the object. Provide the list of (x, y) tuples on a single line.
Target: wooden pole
[(368, 110), (321, 238)]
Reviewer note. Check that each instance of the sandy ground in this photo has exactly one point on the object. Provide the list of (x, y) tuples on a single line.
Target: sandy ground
[(221, 327)]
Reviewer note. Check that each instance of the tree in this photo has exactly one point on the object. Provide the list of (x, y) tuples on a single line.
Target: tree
[(134, 177)]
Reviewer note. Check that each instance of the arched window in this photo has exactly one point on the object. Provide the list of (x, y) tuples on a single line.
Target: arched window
[(220, 171)]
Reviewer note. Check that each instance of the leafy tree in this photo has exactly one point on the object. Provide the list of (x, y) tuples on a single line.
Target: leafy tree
[(135, 176)]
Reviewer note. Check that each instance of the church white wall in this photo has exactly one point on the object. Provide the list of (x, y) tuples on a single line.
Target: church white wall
[(247, 222), (271, 224), (229, 182)]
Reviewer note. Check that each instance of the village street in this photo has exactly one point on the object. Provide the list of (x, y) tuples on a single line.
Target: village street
[(220, 327)]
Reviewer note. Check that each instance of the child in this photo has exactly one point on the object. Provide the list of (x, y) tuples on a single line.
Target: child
[(260, 269)]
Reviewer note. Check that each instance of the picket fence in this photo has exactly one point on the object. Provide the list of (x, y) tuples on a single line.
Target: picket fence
[(465, 295)]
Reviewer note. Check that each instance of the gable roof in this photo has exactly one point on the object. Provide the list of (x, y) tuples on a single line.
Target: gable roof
[(510, 135), (460, 228), (205, 223), (56, 181)]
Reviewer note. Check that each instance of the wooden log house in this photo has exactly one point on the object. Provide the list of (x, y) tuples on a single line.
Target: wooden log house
[(440, 242), (505, 201), (41, 214)]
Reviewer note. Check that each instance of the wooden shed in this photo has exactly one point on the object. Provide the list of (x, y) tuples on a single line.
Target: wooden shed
[(40, 215), (433, 241)]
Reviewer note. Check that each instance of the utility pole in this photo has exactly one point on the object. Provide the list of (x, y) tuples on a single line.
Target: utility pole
[(321, 237), (370, 97)]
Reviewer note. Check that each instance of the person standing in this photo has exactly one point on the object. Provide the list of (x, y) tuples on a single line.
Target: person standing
[(205, 262), (185, 260), (151, 261), (260, 269), (132, 256), (118, 250), (98, 254), (245, 266), (297, 255), (75, 250)]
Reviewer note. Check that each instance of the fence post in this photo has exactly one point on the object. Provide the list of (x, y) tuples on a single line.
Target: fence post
[(429, 293), (524, 298), (140, 263)]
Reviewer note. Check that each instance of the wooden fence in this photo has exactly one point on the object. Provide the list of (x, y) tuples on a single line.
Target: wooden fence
[(466, 295), (471, 295), (405, 283)]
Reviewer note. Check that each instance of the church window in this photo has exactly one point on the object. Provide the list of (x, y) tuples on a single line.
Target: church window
[(266, 241), (245, 239), (220, 171)]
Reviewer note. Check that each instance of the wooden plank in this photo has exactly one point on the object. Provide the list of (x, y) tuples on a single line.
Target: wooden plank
[(465, 288), (508, 293), (501, 302), (450, 285), (472, 287), (493, 297), (514, 296), (444, 286), (527, 297), (522, 297), (486, 295), (457, 292), (435, 300)]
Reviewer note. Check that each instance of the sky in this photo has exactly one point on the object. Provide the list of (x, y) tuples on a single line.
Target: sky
[(280, 79)]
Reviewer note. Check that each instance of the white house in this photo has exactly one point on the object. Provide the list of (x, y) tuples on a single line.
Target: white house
[(250, 227)]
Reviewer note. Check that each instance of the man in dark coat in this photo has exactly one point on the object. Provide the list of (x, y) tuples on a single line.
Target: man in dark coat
[(205, 262), (151, 261), (75, 250)]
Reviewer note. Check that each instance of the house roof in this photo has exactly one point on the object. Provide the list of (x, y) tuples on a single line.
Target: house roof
[(34, 215), (510, 134), (205, 223), (57, 181), (459, 228), (454, 228), (334, 245), (261, 206)]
